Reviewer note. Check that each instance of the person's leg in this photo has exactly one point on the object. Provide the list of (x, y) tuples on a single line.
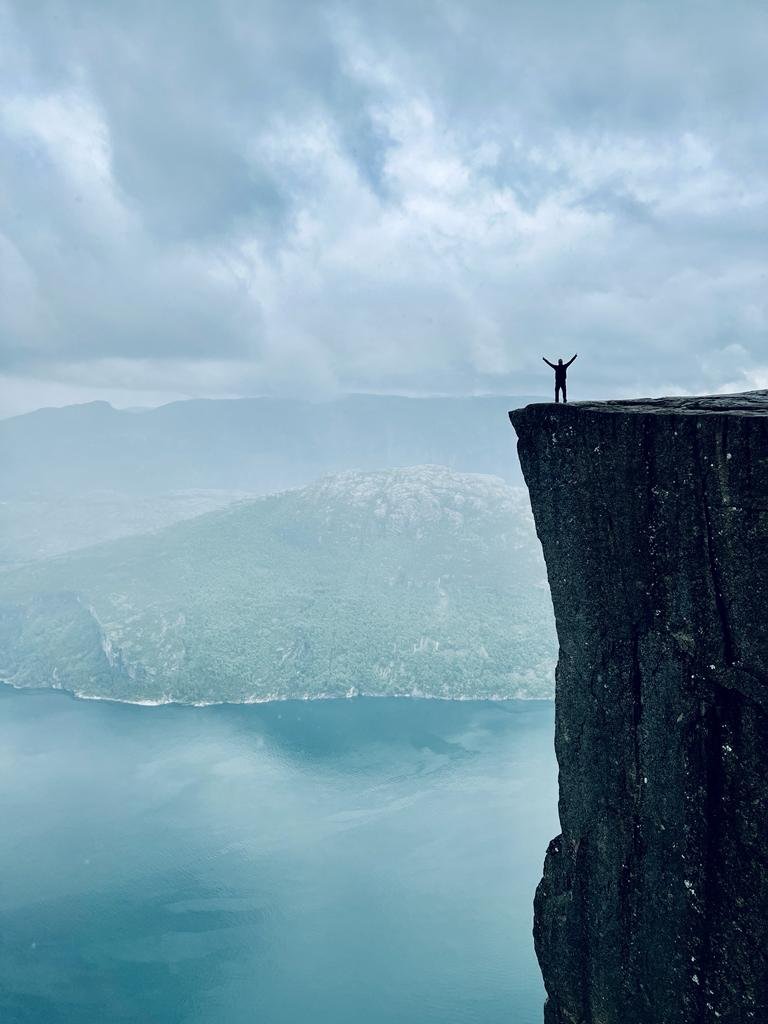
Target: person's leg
[(565, 392), (557, 392)]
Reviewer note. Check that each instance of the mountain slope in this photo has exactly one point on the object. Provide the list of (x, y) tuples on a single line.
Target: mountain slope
[(255, 444), (33, 528), (406, 581)]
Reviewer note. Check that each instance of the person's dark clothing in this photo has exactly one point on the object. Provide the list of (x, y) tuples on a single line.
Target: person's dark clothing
[(561, 371)]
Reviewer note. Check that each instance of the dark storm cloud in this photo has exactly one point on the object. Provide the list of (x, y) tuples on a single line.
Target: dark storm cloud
[(290, 197)]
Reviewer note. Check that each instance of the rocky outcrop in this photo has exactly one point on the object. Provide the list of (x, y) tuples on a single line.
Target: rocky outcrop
[(653, 517)]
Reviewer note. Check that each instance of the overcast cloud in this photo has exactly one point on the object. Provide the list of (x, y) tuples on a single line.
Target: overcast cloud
[(225, 198)]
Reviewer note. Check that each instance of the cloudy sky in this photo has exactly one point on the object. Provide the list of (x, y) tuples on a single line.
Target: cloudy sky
[(310, 198)]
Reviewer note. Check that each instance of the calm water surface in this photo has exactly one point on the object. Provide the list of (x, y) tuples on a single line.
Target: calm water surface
[(338, 862)]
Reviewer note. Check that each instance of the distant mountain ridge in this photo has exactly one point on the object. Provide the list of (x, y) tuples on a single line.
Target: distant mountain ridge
[(258, 445), (408, 581)]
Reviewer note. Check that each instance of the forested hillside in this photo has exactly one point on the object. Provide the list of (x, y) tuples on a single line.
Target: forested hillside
[(397, 582)]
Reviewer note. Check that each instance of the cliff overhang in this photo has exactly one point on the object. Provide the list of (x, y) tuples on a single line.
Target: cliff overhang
[(653, 517)]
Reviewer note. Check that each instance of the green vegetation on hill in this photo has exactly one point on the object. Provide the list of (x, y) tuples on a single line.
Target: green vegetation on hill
[(396, 582)]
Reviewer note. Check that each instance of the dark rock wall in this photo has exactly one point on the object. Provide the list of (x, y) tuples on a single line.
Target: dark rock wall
[(653, 518)]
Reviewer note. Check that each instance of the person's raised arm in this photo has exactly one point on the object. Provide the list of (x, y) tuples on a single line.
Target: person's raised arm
[(548, 362), (571, 360)]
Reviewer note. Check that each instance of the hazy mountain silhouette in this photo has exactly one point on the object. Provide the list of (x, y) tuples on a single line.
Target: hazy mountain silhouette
[(256, 444)]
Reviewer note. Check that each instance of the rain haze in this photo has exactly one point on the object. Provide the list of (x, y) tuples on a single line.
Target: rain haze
[(309, 200)]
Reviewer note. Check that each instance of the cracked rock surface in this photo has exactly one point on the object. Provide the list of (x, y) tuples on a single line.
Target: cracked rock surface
[(653, 517)]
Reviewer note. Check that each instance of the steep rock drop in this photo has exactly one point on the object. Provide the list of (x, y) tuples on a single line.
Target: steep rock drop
[(653, 517)]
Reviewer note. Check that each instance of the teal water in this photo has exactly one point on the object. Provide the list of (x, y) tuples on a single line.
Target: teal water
[(335, 862)]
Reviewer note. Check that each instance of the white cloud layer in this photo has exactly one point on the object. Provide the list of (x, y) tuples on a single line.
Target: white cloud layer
[(299, 198)]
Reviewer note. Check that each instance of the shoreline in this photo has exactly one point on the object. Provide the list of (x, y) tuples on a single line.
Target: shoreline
[(273, 699)]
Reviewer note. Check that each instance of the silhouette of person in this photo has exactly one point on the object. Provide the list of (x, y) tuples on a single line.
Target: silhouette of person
[(561, 370)]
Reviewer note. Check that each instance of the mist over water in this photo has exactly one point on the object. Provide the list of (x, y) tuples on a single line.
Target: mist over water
[(332, 861)]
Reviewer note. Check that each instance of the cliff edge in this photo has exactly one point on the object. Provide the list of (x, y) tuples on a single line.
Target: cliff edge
[(653, 517)]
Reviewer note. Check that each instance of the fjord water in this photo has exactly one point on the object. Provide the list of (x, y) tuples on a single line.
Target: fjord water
[(329, 862)]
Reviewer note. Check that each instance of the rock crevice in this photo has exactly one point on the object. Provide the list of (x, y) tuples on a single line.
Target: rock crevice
[(653, 517)]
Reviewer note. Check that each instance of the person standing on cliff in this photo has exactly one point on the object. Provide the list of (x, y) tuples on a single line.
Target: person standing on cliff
[(561, 371)]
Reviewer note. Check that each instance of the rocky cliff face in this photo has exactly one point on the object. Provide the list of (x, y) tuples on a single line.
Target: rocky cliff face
[(653, 517)]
